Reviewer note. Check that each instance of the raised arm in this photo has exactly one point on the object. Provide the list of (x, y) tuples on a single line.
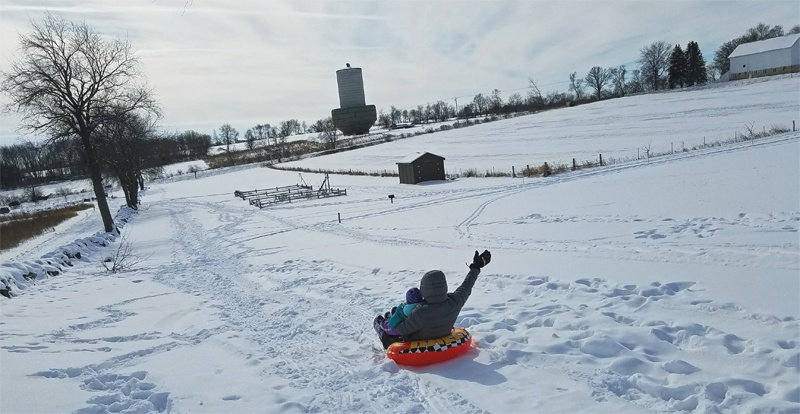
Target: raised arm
[(462, 292)]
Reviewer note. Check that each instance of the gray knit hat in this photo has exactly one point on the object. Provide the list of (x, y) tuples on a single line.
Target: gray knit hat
[(433, 286)]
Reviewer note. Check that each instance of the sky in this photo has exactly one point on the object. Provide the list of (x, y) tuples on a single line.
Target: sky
[(252, 62), (651, 286)]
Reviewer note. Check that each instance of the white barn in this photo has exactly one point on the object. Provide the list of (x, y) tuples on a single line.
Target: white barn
[(766, 58)]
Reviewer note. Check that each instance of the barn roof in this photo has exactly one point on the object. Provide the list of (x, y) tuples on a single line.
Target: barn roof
[(776, 43), (413, 157)]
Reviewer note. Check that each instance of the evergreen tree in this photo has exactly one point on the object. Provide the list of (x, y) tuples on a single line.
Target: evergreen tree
[(695, 65), (677, 68)]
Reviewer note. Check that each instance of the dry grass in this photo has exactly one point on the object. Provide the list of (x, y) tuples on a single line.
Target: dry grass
[(19, 228), (380, 173)]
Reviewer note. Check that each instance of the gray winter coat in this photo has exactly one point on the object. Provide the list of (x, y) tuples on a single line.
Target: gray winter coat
[(435, 315)]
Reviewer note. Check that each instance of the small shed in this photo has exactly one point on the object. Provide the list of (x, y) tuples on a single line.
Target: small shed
[(421, 166)]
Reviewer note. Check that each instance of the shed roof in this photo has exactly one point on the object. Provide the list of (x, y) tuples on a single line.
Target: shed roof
[(414, 156), (776, 43)]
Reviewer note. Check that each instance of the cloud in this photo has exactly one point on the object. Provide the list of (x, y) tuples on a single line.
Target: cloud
[(247, 62)]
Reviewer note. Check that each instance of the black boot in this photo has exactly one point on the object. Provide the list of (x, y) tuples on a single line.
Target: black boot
[(377, 324)]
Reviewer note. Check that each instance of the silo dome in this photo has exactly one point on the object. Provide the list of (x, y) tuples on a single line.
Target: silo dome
[(351, 87)]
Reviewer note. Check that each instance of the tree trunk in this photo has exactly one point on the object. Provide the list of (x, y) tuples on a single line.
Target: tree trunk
[(97, 183), (125, 193), (133, 192), (130, 187)]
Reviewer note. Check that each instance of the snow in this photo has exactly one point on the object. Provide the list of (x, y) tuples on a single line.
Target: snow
[(616, 128), (776, 43), (660, 285)]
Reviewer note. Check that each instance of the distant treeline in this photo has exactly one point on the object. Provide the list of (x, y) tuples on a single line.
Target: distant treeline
[(30, 164), (662, 65)]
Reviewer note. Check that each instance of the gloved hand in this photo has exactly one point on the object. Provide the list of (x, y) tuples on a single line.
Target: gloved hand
[(480, 260)]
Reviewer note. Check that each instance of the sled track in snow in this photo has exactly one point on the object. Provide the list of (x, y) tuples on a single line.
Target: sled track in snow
[(288, 318), (495, 194), (613, 169)]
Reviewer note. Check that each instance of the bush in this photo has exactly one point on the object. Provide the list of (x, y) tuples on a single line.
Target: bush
[(752, 133), (778, 129), (494, 173), (544, 170), (34, 194), (471, 172)]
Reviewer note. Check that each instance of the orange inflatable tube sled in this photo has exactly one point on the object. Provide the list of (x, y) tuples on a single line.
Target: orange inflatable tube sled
[(431, 351)]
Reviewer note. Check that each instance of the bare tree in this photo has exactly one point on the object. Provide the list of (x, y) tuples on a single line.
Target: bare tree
[(34, 193), (534, 93), (394, 114), (515, 101), (123, 258), (654, 61), (496, 101), (63, 192), (126, 144), (327, 131), (636, 84), (29, 154), (618, 80), (422, 115), (441, 111), (712, 71), (576, 85), (250, 139), (12, 173), (481, 103), (261, 132), (597, 79), (762, 32), (69, 81), (288, 128), (384, 119), (228, 135)]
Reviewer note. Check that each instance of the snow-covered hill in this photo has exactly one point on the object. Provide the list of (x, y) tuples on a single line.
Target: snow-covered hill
[(625, 128)]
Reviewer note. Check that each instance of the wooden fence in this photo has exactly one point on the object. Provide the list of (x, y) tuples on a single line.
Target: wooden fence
[(270, 196)]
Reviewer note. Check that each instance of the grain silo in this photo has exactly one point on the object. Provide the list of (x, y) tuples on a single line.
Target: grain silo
[(354, 116), (351, 88)]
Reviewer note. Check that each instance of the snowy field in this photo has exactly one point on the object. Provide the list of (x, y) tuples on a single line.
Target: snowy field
[(663, 286), (618, 128)]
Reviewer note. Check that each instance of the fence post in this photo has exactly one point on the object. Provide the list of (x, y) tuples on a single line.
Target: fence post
[(671, 147), (574, 165), (704, 141), (340, 217), (793, 126), (513, 174), (601, 160), (546, 172), (637, 153)]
